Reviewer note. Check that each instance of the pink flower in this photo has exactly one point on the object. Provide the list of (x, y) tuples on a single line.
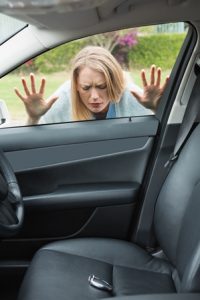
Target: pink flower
[(128, 39), (29, 63)]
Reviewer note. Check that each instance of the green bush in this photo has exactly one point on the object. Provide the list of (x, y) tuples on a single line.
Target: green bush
[(57, 59), (158, 49)]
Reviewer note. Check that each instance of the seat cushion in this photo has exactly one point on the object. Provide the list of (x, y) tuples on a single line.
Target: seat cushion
[(60, 271)]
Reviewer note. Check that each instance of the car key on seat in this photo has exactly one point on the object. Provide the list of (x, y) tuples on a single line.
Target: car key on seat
[(99, 283)]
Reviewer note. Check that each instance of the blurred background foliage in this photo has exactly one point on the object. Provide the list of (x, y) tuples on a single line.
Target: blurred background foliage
[(159, 49), (133, 48)]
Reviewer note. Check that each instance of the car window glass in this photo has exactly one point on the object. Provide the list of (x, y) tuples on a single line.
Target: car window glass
[(134, 49)]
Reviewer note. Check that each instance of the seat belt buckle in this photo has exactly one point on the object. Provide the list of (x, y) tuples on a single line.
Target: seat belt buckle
[(99, 283), (171, 160)]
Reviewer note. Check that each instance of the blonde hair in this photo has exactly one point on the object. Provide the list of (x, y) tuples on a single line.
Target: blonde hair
[(101, 60)]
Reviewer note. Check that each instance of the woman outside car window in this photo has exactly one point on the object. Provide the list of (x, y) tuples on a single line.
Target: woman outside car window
[(97, 90)]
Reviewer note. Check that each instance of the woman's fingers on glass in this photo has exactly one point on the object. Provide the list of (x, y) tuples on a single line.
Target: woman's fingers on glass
[(17, 92), (42, 85), (152, 74), (166, 82), (136, 95), (32, 79), (158, 80), (143, 76), (26, 90), (33, 85), (51, 101)]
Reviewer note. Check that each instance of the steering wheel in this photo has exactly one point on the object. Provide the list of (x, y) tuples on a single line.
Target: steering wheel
[(11, 203)]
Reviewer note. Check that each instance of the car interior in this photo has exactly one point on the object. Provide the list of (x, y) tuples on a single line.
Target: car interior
[(100, 209)]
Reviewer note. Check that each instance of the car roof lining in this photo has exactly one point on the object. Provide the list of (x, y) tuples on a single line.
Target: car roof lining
[(110, 13)]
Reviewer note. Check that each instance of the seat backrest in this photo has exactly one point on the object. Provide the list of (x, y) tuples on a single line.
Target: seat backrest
[(177, 215)]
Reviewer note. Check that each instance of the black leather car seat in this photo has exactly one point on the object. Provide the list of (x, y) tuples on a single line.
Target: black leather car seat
[(60, 271)]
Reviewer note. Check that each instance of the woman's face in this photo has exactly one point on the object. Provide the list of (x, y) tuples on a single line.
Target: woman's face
[(92, 88)]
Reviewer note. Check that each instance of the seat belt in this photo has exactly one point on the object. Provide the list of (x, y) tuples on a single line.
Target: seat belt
[(191, 115)]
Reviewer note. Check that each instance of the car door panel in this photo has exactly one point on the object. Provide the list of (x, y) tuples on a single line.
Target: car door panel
[(31, 137), (84, 188), (87, 195)]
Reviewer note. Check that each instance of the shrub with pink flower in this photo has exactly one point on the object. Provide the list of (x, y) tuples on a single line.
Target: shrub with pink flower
[(125, 42), (117, 42), (128, 40), (27, 67)]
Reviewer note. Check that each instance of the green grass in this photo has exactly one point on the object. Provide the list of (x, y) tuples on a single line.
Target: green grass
[(15, 105)]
